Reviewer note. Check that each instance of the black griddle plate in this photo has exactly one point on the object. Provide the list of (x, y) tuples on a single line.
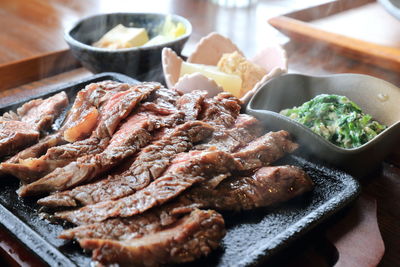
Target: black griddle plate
[(252, 237)]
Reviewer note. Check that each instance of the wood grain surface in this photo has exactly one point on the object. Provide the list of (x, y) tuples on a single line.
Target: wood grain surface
[(249, 29), (31, 35), (360, 29)]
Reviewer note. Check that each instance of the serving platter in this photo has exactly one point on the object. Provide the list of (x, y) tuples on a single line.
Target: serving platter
[(252, 237), (361, 30)]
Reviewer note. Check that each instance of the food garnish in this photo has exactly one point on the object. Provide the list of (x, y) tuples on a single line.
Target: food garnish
[(337, 119)]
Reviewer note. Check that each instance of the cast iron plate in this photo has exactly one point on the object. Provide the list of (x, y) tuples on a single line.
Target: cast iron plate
[(252, 237)]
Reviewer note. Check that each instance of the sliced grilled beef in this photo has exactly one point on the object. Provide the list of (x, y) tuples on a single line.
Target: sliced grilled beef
[(221, 110), (22, 129), (149, 165), (267, 187), (114, 110), (84, 114), (190, 104), (195, 235), (186, 169), (265, 150), (132, 135), (245, 130), (37, 149), (76, 114), (41, 113), (31, 169), (15, 135)]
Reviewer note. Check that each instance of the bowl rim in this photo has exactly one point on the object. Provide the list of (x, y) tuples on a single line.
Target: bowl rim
[(70, 40), (354, 150)]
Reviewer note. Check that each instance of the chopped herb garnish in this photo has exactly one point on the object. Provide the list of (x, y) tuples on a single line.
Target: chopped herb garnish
[(337, 119)]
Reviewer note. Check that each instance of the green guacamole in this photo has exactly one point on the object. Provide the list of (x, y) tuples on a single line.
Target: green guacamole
[(337, 119)]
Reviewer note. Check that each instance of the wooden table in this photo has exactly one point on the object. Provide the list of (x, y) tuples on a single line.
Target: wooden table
[(32, 36)]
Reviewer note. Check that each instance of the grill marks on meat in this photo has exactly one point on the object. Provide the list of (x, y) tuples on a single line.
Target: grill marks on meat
[(41, 113), (21, 129), (195, 235), (149, 165), (30, 169), (265, 150), (266, 187), (82, 105), (221, 110), (148, 214), (114, 109), (83, 116), (269, 186), (15, 135), (120, 106), (186, 170), (190, 104), (132, 135), (245, 130)]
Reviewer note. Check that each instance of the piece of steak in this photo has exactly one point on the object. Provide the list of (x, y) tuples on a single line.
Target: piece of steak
[(41, 113), (112, 112), (22, 129), (84, 115), (77, 113), (15, 135), (131, 136), (186, 169), (267, 187), (149, 165), (191, 104), (190, 238), (221, 110), (246, 129), (31, 169), (265, 150)]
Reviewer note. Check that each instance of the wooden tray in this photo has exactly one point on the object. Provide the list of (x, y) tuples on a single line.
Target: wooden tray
[(360, 29), (36, 68)]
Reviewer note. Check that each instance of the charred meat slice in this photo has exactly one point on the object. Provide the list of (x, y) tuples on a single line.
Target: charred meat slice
[(120, 106), (76, 114), (30, 169), (221, 110), (190, 104), (186, 169), (149, 165), (265, 150), (41, 113), (245, 130), (83, 116), (126, 141), (38, 149), (267, 187), (195, 235), (114, 110), (15, 135), (22, 129)]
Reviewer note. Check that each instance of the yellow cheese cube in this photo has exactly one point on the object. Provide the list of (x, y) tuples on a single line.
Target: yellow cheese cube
[(123, 37), (229, 82)]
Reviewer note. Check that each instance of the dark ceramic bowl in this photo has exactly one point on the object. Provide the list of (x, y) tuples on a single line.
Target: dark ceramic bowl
[(136, 61), (376, 97)]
